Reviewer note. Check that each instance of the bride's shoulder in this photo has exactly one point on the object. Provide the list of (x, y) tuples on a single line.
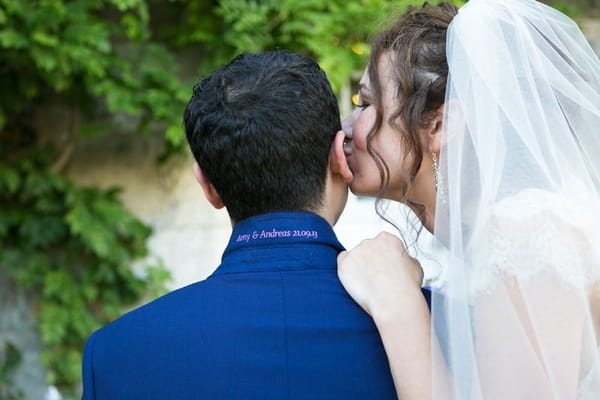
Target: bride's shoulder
[(570, 206), (537, 231)]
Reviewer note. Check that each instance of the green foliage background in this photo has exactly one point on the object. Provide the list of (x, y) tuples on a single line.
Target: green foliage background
[(71, 247)]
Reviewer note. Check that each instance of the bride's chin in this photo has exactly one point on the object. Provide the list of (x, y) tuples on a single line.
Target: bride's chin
[(359, 190), (354, 189)]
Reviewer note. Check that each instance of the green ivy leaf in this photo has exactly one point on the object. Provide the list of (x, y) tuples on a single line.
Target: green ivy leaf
[(45, 39), (11, 39), (40, 231), (53, 322), (10, 180), (97, 237), (175, 135)]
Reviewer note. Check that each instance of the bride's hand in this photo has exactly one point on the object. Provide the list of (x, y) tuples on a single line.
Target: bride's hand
[(379, 274)]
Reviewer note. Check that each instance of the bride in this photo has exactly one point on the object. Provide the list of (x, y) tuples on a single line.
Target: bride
[(485, 121)]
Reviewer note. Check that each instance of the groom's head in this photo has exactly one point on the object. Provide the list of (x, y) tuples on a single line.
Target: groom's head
[(261, 130)]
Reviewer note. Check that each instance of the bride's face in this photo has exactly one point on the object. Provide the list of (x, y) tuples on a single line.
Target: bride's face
[(386, 141)]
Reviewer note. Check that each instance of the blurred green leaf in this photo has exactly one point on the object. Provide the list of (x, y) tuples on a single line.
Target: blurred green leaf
[(9, 179), (75, 247)]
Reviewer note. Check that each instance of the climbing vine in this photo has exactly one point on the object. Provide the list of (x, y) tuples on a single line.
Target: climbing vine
[(72, 248)]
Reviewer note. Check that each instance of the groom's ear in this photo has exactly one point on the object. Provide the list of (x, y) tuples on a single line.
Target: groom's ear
[(434, 131), (337, 159), (209, 190)]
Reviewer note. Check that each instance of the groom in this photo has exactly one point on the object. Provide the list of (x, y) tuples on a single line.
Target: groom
[(273, 321)]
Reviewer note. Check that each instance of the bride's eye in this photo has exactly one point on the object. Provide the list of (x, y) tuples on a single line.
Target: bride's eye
[(358, 102)]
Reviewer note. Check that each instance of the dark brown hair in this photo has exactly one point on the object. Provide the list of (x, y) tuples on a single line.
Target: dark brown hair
[(260, 153), (416, 44)]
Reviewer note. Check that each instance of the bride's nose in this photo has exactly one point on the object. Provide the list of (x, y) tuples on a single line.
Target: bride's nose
[(347, 124)]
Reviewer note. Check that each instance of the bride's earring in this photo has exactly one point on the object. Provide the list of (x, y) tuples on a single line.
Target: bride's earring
[(437, 179)]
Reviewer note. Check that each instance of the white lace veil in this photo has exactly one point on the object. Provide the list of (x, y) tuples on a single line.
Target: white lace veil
[(518, 207)]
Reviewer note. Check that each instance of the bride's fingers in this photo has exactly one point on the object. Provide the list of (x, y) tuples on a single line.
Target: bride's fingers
[(379, 272)]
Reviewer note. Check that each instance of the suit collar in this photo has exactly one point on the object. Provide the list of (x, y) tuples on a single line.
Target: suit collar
[(280, 241)]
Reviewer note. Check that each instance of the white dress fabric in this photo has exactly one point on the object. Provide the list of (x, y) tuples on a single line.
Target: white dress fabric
[(518, 208)]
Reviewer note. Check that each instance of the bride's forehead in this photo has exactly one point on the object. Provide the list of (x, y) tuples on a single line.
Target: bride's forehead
[(385, 74)]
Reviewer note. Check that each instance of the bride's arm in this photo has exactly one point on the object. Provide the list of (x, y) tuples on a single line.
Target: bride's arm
[(386, 282), (406, 335), (533, 337), (531, 309)]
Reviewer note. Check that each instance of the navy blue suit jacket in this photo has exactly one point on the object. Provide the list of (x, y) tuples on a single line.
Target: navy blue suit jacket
[(272, 322)]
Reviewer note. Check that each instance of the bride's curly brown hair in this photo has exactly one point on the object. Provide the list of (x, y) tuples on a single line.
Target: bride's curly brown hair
[(416, 44)]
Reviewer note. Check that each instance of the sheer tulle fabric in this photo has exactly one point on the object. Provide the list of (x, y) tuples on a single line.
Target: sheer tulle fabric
[(518, 208)]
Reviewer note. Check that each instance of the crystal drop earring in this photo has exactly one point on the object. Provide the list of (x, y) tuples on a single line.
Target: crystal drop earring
[(437, 179)]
